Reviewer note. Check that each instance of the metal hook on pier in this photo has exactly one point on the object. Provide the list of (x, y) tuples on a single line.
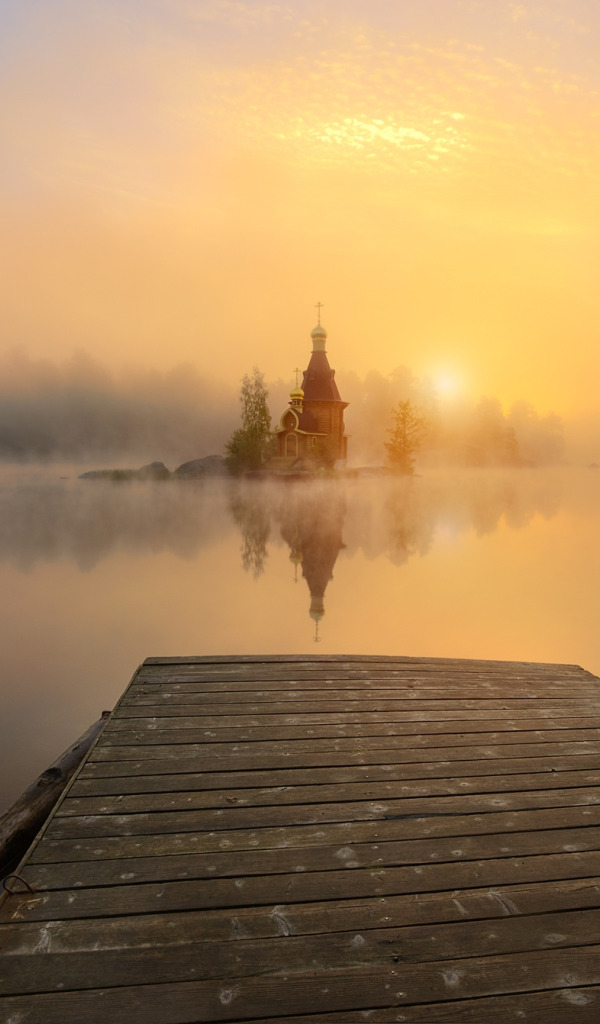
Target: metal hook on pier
[(11, 892)]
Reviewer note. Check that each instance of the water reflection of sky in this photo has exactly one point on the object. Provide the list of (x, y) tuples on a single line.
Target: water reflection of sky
[(99, 576)]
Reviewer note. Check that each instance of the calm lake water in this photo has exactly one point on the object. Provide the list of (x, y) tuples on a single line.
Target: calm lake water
[(98, 576)]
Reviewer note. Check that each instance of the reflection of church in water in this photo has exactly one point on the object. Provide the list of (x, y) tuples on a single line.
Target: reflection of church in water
[(311, 432), (312, 519)]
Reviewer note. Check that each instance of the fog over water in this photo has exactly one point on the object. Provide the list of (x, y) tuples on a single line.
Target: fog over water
[(83, 409), (97, 576)]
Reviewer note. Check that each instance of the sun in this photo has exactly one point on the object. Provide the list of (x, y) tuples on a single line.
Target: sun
[(447, 383)]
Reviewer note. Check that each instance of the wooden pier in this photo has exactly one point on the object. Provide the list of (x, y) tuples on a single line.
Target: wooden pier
[(321, 839)]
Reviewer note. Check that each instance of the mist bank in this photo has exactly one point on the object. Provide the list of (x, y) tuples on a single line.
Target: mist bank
[(45, 518), (82, 411), (458, 430)]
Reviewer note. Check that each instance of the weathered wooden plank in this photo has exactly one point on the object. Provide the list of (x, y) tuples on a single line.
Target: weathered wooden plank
[(246, 661), (248, 830), (348, 665), (367, 663), (323, 835), (553, 1006), (355, 859), (394, 794), (318, 990), (408, 701), (555, 761), (348, 674), (348, 669), (198, 757), (409, 740), (147, 862), (347, 683), (370, 721), (410, 724), (544, 781), (345, 665), (164, 929), (324, 664), (330, 703), (186, 894), (347, 950)]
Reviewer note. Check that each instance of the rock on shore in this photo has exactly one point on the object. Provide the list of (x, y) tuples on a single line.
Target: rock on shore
[(211, 465)]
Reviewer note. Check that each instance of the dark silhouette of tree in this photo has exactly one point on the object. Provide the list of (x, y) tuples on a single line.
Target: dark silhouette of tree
[(407, 433), (251, 445)]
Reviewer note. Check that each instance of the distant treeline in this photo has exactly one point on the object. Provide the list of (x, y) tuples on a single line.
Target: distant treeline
[(79, 410), (459, 431)]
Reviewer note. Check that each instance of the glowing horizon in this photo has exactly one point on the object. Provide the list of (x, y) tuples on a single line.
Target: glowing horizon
[(184, 180)]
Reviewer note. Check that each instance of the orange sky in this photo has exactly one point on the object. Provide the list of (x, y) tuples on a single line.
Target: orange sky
[(182, 180)]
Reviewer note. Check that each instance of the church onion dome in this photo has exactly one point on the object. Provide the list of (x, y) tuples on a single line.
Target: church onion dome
[(297, 393), (319, 337)]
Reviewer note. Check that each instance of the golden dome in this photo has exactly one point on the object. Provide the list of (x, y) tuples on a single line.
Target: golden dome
[(319, 337)]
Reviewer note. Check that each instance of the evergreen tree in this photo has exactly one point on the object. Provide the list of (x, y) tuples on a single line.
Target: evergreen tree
[(406, 436), (251, 445)]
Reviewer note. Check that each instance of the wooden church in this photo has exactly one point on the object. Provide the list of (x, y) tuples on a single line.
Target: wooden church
[(312, 427)]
